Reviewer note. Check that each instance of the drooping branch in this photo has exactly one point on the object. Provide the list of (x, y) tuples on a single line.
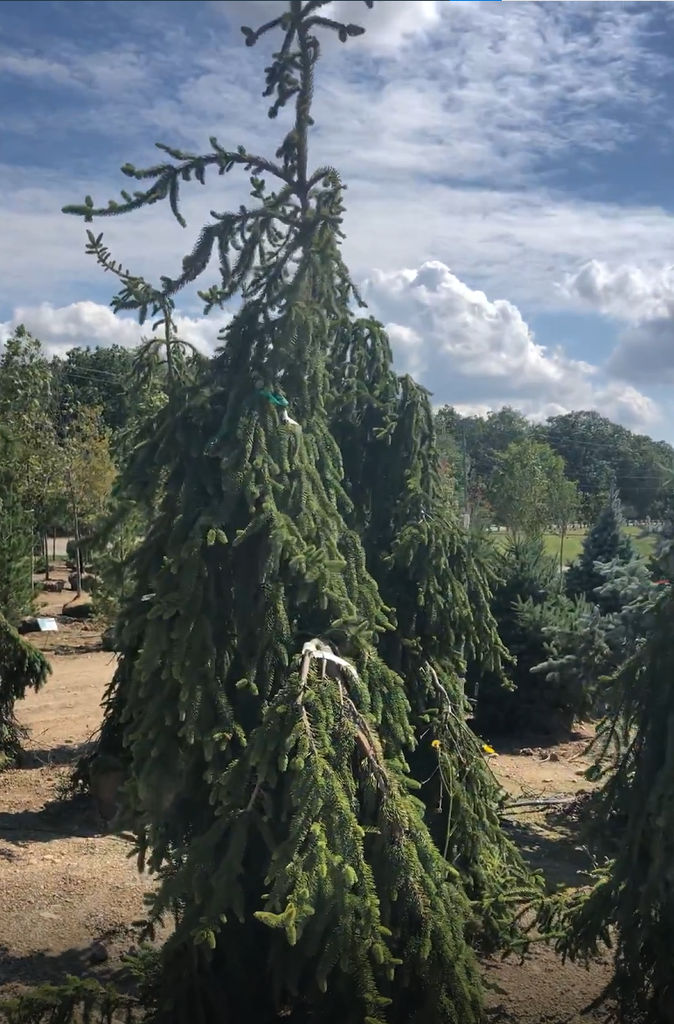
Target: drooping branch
[(340, 670), (138, 294)]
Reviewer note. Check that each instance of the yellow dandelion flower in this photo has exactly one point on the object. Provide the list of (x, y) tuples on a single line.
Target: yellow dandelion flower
[(436, 744), (489, 750)]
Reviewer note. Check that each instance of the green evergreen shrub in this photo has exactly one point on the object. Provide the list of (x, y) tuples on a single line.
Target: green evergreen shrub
[(606, 542), (16, 538), (22, 667), (630, 905), (530, 612)]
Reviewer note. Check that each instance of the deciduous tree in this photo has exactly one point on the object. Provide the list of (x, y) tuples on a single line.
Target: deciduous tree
[(88, 474), (29, 416), (520, 487), (564, 504)]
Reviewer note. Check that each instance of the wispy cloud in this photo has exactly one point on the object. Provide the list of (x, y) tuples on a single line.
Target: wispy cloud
[(436, 136), (464, 91), (389, 25), (514, 244), (449, 121), (36, 68)]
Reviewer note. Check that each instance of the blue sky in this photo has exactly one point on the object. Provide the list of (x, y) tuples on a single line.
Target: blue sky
[(510, 207)]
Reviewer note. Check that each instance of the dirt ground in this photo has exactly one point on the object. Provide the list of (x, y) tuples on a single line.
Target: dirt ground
[(69, 894), (542, 989)]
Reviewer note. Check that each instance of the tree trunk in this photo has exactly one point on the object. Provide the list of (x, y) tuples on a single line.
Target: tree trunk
[(561, 559), (76, 523), (78, 559), (45, 548)]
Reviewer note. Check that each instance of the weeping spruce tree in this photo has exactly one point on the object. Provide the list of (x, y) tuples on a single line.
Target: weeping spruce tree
[(430, 572), (268, 702), (631, 905)]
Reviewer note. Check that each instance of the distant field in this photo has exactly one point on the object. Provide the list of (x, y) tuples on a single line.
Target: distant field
[(573, 542)]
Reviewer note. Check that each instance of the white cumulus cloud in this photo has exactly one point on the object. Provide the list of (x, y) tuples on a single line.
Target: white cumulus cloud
[(472, 351), (643, 299), (482, 338), (625, 292), (90, 324)]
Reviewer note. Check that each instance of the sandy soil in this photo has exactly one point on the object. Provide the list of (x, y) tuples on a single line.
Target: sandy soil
[(69, 895), (542, 989)]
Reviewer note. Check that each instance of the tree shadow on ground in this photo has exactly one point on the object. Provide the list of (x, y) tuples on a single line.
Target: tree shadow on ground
[(71, 818), (41, 967), (61, 756), (68, 649), (556, 845), (530, 741)]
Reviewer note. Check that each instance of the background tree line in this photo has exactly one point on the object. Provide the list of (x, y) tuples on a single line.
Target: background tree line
[(65, 427), (597, 455), (496, 463)]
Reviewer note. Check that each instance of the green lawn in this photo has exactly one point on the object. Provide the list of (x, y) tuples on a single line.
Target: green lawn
[(573, 542)]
